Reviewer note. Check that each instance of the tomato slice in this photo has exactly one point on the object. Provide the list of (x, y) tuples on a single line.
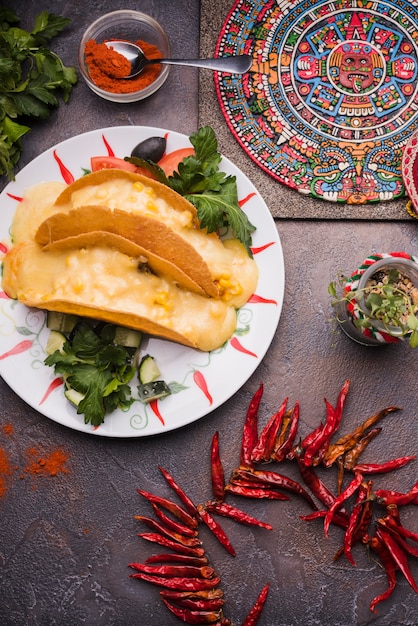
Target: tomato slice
[(170, 161), (110, 162)]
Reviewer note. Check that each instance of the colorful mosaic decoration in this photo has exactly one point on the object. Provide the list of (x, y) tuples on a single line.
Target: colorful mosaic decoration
[(331, 99)]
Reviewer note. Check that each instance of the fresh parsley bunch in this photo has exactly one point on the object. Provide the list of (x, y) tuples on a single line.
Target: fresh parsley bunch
[(211, 191), (98, 369), (31, 75)]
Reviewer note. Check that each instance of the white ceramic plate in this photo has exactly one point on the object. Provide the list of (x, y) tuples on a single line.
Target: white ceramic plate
[(203, 381)]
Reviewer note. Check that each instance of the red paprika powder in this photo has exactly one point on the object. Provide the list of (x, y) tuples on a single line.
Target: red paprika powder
[(107, 67)]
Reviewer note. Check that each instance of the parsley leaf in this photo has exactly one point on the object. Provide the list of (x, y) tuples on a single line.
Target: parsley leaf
[(98, 369), (31, 78), (211, 191)]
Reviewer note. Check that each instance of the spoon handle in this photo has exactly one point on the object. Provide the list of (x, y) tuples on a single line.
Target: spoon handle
[(237, 64)]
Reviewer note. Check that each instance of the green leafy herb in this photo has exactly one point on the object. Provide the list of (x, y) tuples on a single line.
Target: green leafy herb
[(211, 191), (99, 370), (31, 76)]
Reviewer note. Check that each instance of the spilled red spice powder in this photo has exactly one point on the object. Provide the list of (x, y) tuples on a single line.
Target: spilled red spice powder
[(8, 429), (6, 470), (39, 464), (50, 465)]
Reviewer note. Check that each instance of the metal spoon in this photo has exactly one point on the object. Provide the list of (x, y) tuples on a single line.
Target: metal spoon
[(238, 64)]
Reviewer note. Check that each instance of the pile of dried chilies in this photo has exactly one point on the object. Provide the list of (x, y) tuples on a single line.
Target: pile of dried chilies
[(191, 587)]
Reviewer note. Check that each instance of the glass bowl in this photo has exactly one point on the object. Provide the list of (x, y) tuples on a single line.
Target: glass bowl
[(129, 26)]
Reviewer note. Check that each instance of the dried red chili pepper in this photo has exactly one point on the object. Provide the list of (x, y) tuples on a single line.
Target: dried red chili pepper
[(401, 530), (337, 519), (173, 525), (273, 479), (386, 497), (340, 474), (366, 514), (398, 555), (346, 442), (204, 594), (217, 470), (227, 510), (181, 571), (382, 468), (190, 506), (322, 437), (250, 484), (351, 457), (284, 448), (254, 614), (258, 493), (310, 439), (192, 542), (283, 432), (250, 430), (172, 545), (363, 521), (264, 447), (314, 449), (182, 559), (217, 530), (170, 506), (340, 499), (392, 511), (189, 600), (390, 569), (182, 584), (193, 617), (315, 484), (342, 397), (355, 517), (393, 530)]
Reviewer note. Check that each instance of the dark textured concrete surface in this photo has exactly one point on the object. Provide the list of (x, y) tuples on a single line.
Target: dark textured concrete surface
[(66, 541)]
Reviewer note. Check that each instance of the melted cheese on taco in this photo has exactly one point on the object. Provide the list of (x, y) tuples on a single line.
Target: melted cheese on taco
[(160, 220), (106, 272)]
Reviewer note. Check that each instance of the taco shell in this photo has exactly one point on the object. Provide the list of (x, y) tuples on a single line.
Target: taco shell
[(168, 251), (105, 284), (121, 248), (170, 229)]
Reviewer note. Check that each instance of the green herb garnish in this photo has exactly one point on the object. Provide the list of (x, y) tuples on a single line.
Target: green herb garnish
[(211, 191), (96, 368), (30, 77)]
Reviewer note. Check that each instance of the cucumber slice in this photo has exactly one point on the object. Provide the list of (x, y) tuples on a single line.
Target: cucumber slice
[(148, 370), (127, 337), (155, 390), (62, 322), (75, 397), (55, 342)]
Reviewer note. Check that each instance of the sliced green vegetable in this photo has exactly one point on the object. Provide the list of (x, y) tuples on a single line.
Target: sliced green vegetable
[(155, 390), (127, 337), (148, 370), (56, 341), (61, 322), (73, 396)]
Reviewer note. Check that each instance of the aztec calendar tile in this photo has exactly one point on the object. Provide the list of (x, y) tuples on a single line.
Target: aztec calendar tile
[(331, 99)]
